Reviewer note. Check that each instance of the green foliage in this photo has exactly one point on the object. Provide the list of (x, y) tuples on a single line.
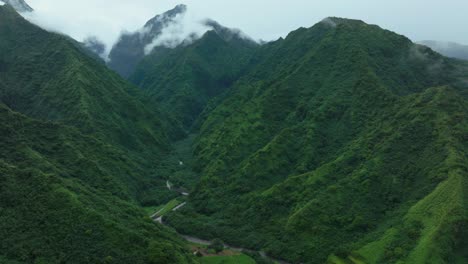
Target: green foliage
[(330, 144), (50, 213), (183, 80), (217, 245), (46, 77), (235, 259), (77, 150), (164, 253)]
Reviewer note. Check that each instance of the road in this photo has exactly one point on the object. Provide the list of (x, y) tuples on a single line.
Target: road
[(159, 219)]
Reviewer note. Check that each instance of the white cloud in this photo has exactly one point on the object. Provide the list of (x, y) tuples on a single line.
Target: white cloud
[(329, 21), (261, 19), (186, 27)]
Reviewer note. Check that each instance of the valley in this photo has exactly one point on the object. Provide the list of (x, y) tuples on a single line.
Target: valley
[(340, 143), (230, 255)]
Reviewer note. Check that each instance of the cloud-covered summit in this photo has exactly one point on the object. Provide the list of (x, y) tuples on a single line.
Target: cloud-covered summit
[(178, 26), (131, 47), (107, 19), (19, 5)]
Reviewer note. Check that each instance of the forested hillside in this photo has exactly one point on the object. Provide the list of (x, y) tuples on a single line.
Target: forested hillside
[(342, 143), (46, 77), (184, 80), (79, 152), (342, 140)]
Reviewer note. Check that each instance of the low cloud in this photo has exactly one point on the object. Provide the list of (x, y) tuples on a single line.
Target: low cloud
[(434, 63), (81, 30), (184, 28), (261, 19), (329, 22), (97, 46)]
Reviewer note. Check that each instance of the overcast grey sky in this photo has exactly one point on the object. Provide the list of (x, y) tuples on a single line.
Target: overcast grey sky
[(261, 19)]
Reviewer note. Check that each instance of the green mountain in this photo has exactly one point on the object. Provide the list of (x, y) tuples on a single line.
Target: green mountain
[(79, 154), (59, 200), (46, 77), (183, 80), (130, 48), (343, 143)]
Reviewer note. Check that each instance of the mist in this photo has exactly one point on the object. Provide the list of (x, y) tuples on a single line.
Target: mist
[(185, 28), (259, 19)]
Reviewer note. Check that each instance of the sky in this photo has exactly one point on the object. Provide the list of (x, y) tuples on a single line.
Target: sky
[(445, 20)]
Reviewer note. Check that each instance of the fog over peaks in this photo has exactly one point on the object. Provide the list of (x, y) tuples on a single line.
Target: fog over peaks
[(260, 19)]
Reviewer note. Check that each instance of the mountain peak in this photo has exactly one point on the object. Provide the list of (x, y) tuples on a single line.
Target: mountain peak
[(180, 8), (19, 5), (335, 21), (226, 33), (167, 16), (131, 47)]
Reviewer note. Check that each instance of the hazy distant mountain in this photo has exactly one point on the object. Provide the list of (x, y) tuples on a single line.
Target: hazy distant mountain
[(449, 49), (19, 5), (130, 49)]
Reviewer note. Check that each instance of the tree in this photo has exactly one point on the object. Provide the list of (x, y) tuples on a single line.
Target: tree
[(162, 253), (217, 245)]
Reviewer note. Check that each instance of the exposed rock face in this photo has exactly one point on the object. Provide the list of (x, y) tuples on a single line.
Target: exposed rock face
[(19, 5)]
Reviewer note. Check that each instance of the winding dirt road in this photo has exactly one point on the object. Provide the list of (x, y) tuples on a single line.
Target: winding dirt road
[(159, 219)]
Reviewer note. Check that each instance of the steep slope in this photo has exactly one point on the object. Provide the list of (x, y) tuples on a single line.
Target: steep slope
[(130, 49), (333, 140), (449, 49), (59, 201), (95, 45), (77, 153), (45, 76), (184, 79), (90, 91)]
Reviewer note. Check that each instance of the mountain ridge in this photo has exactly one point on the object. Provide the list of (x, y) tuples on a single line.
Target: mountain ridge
[(78, 159), (449, 49), (340, 143), (328, 107), (130, 49)]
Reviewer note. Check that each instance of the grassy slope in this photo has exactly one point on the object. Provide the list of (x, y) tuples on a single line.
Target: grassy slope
[(329, 144), (236, 259)]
